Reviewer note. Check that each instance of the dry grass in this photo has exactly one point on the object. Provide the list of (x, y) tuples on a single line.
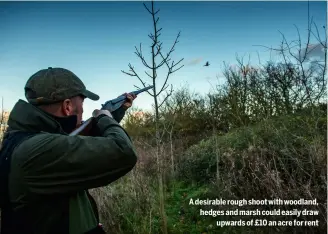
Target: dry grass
[(129, 200)]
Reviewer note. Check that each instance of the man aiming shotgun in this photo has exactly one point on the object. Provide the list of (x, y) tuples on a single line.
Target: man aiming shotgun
[(45, 171), (113, 106)]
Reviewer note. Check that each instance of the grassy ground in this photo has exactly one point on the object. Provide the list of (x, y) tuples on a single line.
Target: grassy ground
[(280, 158)]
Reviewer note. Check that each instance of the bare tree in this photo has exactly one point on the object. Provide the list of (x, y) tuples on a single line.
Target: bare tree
[(309, 60), (159, 59)]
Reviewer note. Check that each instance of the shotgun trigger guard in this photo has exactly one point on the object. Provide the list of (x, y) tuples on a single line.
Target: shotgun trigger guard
[(110, 106)]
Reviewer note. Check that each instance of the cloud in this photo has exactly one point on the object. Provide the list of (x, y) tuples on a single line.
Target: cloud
[(313, 51), (194, 62)]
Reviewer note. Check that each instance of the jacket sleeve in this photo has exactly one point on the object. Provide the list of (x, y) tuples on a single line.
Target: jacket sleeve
[(118, 114), (55, 163)]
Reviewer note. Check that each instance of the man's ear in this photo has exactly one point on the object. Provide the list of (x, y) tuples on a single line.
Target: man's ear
[(67, 107)]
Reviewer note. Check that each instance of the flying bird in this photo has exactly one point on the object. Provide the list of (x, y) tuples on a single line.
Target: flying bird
[(207, 64)]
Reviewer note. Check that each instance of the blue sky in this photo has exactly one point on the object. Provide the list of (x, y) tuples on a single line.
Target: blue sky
[(96, 40)]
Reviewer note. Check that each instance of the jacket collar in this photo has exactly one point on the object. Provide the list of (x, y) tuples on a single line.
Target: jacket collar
[(26, 117)]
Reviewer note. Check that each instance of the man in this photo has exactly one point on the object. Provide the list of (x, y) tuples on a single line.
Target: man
[(50, 171)]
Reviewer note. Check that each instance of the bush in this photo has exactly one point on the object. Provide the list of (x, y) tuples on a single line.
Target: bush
[(280, 158)]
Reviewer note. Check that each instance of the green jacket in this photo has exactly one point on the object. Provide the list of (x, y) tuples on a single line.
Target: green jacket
[(51, 171)]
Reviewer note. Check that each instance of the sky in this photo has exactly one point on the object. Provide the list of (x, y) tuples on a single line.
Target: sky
[(96, 41)]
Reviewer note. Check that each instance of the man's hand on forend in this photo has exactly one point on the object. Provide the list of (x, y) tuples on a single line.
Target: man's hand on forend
[(129, 100)]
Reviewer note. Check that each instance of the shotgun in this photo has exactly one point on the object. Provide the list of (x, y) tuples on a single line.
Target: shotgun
[(111, 106)]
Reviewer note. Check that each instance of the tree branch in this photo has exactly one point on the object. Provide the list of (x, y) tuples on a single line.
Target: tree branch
[(167, 96), (134, 73), (139, 54)]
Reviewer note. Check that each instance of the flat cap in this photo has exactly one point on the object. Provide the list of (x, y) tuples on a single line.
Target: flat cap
[(54, 85)]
